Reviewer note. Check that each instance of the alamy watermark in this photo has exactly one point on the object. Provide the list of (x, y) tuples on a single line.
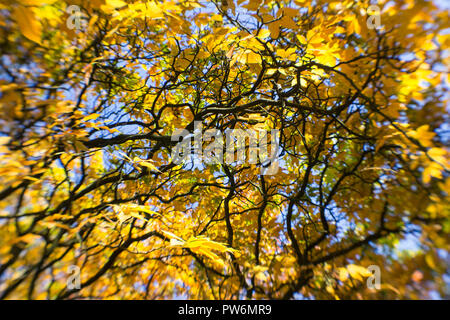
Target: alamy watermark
[(73, 280), (77, 20), (374, 19), (241, 146), (374, 281)]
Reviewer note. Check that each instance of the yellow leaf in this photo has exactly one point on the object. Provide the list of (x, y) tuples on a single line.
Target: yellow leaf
[(264, 33), (302, 39), (430, 261), (28, 238), (356, 26), (115, 3), (253, 4), (28, 24), (253, 57), (274, 28), (423, 135), (132, 209), (358, 272), (31, 178), (287, 54), (171, 236), (36, 2), (91, 117), (432, 170), (343, 274), (145, 163), (438, 154), (4, 140)]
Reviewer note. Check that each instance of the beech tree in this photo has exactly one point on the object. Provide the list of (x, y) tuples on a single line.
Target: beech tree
[(92, 92)]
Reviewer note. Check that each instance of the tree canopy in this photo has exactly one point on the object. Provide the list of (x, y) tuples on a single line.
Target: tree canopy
[(93, 90)]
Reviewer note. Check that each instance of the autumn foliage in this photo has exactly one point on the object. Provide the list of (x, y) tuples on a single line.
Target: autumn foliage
[(88, 105)]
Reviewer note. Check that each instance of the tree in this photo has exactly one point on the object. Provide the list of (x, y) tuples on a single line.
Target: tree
[(93, 91)]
